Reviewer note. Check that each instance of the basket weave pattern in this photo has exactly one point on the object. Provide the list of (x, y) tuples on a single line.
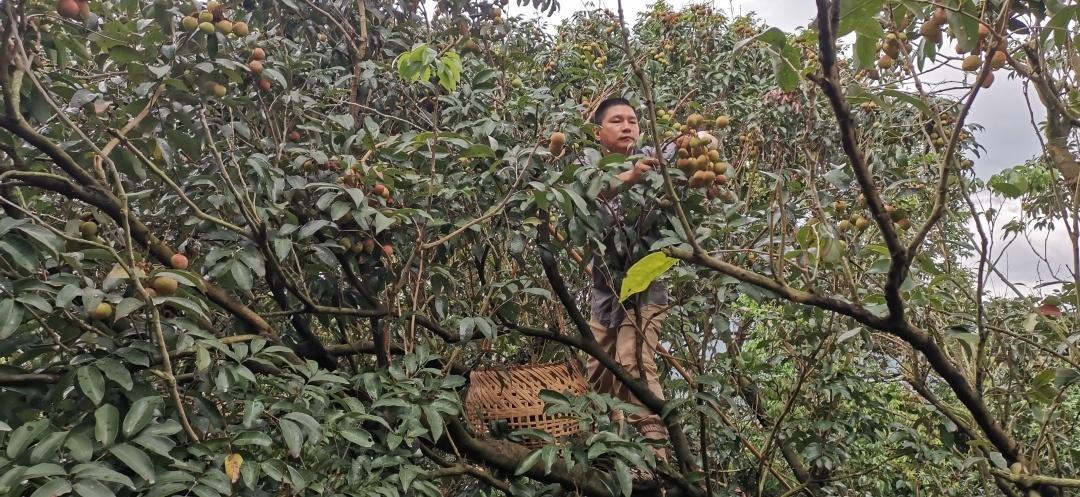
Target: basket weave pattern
[(512, 394)]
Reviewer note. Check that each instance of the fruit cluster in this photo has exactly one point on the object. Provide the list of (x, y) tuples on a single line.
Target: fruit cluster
[(699, 156), (213, 19), (860, 220)]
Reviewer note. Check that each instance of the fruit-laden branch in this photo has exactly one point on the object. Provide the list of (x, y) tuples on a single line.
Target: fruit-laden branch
[(828, 20), (948, 156), (87, 189)]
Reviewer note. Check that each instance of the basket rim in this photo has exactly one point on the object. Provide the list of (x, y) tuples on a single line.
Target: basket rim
[(523, 366)]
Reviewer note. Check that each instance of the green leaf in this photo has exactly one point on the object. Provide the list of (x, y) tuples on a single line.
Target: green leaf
[(98, 471), (854, 13), (294, 438), (626, 483), (786, 58), (10, 317), (42, 470), (448, 70), (528, 463), (644, 272), (52, 488), (47, 447), (126, 307), (358, 437), (434, 422), (91, 488), (115, 371), (964, 25), (20, 252), (135, 459), (25, 435), (1064, 377), (106, 424), (91, 383), (80, 447), (166, 489), (140, 414)]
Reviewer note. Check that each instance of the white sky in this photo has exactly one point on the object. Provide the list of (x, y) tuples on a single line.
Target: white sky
[(1008, 136)]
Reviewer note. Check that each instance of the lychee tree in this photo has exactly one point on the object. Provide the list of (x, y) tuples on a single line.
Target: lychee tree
[(259, 247)]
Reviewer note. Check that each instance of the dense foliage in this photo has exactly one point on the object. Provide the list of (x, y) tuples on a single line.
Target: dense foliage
[(258, 247)]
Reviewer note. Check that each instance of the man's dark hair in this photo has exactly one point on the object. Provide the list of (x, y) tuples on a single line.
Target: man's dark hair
[(598, 116)]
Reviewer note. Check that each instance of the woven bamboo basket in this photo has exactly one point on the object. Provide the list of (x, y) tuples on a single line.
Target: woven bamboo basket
[(511, 395)]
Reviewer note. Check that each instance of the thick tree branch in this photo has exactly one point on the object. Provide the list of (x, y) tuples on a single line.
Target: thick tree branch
[(827, 21)]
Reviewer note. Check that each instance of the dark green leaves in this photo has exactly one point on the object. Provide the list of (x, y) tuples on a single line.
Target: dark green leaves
[(787, 58), (106, 424), (135, 459)]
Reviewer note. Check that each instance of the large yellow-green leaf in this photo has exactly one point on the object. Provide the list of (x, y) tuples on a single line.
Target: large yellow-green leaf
[(644, 272)]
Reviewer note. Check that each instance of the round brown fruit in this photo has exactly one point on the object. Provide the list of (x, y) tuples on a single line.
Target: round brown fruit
[(218, 90), (988, 81), (939, 16), (903, 224), (206, 27), (240, 29), (164, 286), (971, 63), (844, 225), (178, 261), (382, 191), (190, 23), (984, 30), (840, 206), (997, 61), (388, 251), (255, 66), (294, 136), (684, 164), (258, 54), (720, 179), (265, 85), (225, 26), (102, 311), (931, 31), (885, 62), (862, 223), (368, 245), (67, 8), (556, 143), (88, 229), (714, 155), (720, 167), (695, 120), (722, 122)]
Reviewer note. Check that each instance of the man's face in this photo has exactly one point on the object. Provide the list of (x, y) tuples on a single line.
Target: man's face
[(619, 131)]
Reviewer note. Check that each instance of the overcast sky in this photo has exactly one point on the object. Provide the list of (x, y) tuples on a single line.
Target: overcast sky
[(1008, 136)]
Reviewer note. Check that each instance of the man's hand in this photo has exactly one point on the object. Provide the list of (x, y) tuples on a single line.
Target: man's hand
[(630, 177), (642, 167)]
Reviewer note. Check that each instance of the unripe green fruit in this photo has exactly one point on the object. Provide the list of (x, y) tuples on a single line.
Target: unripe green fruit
[(206, 27)]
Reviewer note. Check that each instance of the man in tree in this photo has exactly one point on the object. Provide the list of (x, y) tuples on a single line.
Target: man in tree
[(627, 331)]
